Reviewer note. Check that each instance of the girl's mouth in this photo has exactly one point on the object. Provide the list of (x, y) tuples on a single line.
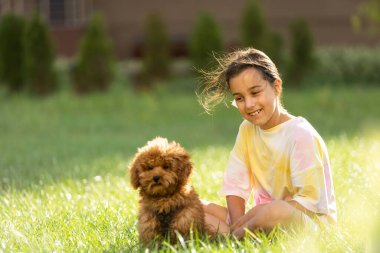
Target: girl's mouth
[(255, 113)]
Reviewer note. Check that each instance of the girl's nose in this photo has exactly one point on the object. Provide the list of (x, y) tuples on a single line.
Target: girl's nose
[(249, 103)]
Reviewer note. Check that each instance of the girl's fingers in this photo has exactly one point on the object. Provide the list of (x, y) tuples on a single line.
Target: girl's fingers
[(242, 220), (239, 233), (247, 217), (238, 223)]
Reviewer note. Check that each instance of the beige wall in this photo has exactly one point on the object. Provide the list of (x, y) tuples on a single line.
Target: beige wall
[(329, 20)]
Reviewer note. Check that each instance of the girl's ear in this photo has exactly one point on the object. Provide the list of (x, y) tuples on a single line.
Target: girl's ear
[(133, 169), (278, 86)]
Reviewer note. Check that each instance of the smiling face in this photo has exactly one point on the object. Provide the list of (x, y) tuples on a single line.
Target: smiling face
[(257, 99)]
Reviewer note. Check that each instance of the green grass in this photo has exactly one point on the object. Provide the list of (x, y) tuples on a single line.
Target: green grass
[(63, 159)]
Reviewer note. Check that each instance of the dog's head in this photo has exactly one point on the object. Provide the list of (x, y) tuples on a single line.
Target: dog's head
[(160, 168)]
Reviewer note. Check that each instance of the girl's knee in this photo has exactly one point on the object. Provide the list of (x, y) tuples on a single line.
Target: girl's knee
[(214, 225), (206, 206), (280, 209), (212, 208), (215, 210)]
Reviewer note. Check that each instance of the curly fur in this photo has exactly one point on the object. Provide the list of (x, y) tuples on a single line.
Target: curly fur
[(161, 172)]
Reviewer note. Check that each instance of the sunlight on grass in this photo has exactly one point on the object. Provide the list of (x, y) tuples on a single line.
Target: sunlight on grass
[(100, 213), (88, 214), (207, 176), (64, 184)]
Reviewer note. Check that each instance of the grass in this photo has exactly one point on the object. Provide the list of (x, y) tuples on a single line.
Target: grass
[(63, 159)]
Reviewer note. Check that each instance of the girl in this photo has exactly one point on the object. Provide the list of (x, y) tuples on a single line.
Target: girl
[(278, 156)]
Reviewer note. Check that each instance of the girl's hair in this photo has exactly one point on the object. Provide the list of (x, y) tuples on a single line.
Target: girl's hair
[(216, 82)]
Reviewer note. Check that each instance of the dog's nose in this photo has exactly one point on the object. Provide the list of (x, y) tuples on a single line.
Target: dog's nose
[(156, 178)]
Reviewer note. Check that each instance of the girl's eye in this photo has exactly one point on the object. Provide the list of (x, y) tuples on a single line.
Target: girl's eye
[(238, 99)]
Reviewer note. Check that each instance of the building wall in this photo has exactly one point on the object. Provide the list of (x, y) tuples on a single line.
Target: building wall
[(67, 19), (329, 20)]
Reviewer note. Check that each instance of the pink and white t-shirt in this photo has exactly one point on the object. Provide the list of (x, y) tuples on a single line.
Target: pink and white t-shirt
[(289, 162)]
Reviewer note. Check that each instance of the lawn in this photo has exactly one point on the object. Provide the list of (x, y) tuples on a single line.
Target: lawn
[(64, 184)]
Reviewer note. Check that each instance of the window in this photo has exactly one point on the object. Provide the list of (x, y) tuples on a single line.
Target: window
[(68, 12), (57, 12)]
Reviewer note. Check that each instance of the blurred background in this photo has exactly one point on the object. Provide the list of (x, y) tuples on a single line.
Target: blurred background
[(147, 41)]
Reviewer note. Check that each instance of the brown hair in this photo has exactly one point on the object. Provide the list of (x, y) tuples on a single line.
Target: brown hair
[(216, 82)]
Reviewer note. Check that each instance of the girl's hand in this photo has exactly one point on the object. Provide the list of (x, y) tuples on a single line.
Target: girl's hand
[(239, 224), (266, 217), (239, 233)]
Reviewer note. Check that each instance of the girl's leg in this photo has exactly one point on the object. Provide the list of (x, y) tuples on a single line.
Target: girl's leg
[(216, 216), (275, 213)]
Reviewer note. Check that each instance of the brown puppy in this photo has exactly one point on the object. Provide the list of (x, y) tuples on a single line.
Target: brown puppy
[(168, 203)]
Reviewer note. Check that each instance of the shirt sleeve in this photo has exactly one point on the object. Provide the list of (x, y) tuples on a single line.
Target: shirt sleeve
[(236, 180), (307, 173)]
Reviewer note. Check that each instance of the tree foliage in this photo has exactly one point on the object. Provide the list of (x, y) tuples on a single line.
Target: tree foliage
[(254, 32), (12, 51), (206, 39), (253, 26), (274, 48), (367, 17), (39, 57), (156, 49), (302, 59), (95, 62)]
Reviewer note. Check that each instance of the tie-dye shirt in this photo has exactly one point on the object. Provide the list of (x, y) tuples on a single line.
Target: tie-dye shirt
[(288, 162)]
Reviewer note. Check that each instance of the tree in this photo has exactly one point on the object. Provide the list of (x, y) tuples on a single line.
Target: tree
[(12, 52), (252, 26), (39, 57), (367, 17), (206, 39), (254, 32), (302, 59), (95, 62), (274, 48), (156, 49)]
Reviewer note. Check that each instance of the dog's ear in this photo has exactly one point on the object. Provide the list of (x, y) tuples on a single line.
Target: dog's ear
[(188, 167), (183, 157), (134, 171)]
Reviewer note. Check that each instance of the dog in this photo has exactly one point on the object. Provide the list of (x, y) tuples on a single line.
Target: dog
[(168, 204)]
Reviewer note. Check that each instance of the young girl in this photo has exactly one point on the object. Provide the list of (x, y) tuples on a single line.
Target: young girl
[(278, 156)]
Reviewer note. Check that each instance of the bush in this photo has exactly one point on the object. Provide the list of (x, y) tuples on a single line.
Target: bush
[(274, 48), (302, 59), (367, 17), (39, 57), (94, 67), (206, 39), (11, 52), (255, 33), (347, 66), (252, 26), (156, 54)]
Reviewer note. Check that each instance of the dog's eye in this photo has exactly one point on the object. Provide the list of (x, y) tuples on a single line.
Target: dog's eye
[(166, 166), (149, 167)]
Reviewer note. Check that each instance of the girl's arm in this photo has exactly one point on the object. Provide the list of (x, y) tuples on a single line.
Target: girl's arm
[(236, 208)]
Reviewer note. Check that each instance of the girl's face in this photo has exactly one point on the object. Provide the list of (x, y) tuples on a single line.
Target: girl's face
[(256, 99)]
